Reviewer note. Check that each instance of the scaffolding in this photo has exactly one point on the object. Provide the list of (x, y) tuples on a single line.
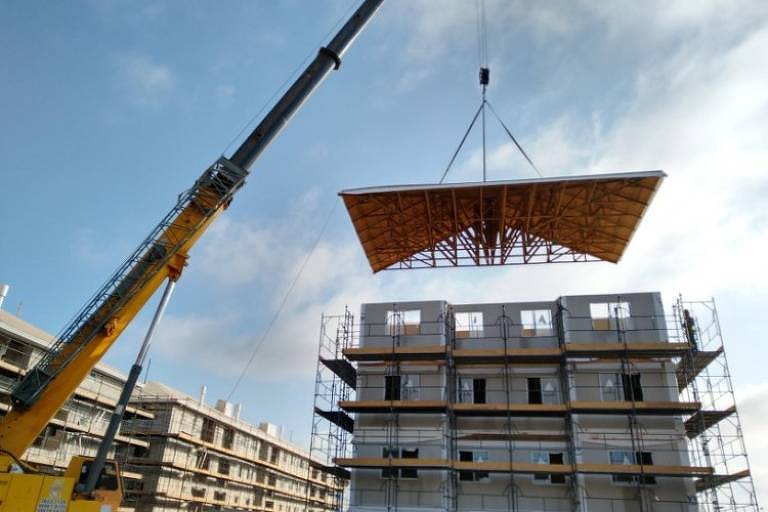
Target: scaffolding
[(643, 420), (335, 382), (714, 432)]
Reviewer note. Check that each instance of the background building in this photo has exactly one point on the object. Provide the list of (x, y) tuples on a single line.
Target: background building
[(206, 458), (177, 453), (590, 403), (78, 427)]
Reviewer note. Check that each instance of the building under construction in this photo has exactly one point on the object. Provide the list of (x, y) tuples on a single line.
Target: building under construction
[(206, 458), (79, 426), (584, 403), (176, 452)]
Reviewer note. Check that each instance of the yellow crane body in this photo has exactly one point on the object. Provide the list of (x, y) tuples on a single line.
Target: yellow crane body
[(90, 485)]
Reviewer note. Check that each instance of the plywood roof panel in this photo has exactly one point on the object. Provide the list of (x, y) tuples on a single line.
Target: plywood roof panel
[(548, 220)]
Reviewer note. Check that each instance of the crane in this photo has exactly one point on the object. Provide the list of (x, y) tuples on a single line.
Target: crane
[(93, 485)]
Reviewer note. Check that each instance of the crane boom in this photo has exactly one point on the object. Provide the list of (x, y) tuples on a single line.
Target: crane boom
[(162, 255)]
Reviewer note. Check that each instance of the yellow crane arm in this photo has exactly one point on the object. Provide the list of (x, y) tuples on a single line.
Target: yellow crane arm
[(20, 427), (46, 387)]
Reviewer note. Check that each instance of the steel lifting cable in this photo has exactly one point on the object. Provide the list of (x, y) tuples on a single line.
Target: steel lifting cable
[(482, 55), (461, 144), (517, 144), (284, 301)]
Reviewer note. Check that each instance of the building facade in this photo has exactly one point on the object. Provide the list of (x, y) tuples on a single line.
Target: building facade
[(176, 452), (204, 458), (79, 426), (597, 403)]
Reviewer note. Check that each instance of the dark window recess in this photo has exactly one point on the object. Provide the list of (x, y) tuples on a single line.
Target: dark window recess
[(229, 438), (470, 476), (556, 458), (645, 459), (208, 430), (478, 391), (534, 390), (632, 388), (410, 472), (465, 476), (392, 387)]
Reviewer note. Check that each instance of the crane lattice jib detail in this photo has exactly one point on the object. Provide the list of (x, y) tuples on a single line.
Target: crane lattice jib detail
[(211, 193)]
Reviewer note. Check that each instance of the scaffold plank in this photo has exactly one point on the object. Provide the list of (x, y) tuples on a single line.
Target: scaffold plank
[(690, 367), (703, 420)]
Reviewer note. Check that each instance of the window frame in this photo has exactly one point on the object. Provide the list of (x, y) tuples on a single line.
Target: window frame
[(530, 327), (474, 324), (402, 322)]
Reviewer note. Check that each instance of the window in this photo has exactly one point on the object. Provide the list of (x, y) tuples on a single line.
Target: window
[(632, 388), (626, 458), (471, 391), (469, 324), (208, 430), (391, 387), (410, 389), (536, 322), (470, 456), (605, 314), (534, 390), (203, 461), (229, 438), (403, 322), (409, 472), (621, 387), (223, 466), (549, 391), (548, 458)]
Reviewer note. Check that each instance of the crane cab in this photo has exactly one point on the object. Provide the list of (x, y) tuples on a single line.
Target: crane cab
[(109, 490), (34, 492)]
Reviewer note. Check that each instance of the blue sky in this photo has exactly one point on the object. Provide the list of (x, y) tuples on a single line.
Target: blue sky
[(111, 108)]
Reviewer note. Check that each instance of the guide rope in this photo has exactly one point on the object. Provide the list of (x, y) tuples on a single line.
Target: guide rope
[(283, 302)]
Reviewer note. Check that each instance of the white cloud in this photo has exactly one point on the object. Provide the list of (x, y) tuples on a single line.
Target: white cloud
[(753, 409), (146, 81), (224, 91)]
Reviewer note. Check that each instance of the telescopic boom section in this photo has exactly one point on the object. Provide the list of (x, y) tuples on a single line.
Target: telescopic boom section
[(162, 255)]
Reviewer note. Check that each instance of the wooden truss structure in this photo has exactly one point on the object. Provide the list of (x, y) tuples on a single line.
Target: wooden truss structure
[(549, 220)]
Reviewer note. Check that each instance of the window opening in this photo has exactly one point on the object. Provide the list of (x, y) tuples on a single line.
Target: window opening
[(470, 456), (536, 322), (469, 324), (403, 322), (632, 388), (409, 472), (627, 458), (548, 458), (605, 314), (391, 387), (534, 390), (410, 387)]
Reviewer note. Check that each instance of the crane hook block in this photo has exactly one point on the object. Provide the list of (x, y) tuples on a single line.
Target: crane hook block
[(485, 76)]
